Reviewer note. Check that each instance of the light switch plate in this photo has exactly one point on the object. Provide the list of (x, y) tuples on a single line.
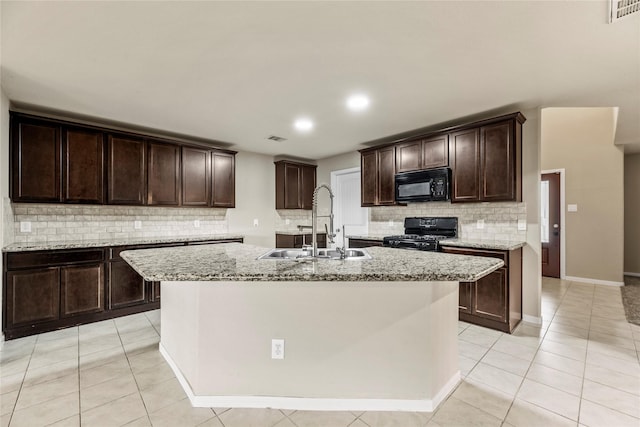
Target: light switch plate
[(480, 224), (522, 224), (25, 226), (572, 208), (256, 222), (196, 223), (137, 224)]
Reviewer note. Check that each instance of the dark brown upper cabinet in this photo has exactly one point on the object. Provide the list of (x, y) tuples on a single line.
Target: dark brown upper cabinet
[(498, 162), (295, 183), (36, 157), (465, 165), (83, 151), (223, 172), (127, 171), (163, 174), (59, 161), (377, 176), (486, 161), (196, 176), (422, 154)]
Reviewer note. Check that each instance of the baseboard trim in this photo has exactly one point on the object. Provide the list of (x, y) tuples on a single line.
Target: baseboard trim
[(311, 404), (532, 319), (628, 273), (593, 281)]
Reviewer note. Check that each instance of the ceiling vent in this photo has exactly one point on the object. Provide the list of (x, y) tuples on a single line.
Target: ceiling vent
[(280, 139), (619, 9)]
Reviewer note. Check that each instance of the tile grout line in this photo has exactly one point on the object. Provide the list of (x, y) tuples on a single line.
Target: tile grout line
[(534, 358), (24, 376)]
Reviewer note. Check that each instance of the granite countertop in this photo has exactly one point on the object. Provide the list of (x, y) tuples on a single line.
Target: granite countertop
[(43, 246), (504, 245), (237, 262)]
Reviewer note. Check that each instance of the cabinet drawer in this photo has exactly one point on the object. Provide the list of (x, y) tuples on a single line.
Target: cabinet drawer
[(503, 255), (40, 259)]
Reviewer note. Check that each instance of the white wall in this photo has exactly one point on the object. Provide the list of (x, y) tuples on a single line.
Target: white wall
[(581, 140), (632, 213), (4, 175), (255, 199)]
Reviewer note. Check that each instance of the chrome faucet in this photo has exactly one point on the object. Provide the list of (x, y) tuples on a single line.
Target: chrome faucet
[(314, 219)]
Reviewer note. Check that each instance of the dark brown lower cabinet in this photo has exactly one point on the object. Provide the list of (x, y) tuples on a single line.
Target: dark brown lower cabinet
[(81, 289), (49, 290), (494, 301), (364, 243), (297, 240), (32, 296), (126, 287)]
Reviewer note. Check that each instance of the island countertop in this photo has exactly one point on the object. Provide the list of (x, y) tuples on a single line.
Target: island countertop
[(237, 262)]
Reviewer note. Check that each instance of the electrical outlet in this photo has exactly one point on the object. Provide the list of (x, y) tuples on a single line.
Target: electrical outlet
[(480, 224), (287, 221), (390, 223), (25, 226), (255, 222), (137, 224), (572, 208), (522, 224), (196, 223), (277, 349)]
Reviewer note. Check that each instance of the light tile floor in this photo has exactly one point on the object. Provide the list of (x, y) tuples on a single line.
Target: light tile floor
[(579, 368)]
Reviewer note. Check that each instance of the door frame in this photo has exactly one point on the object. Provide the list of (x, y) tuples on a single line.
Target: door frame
[(334, 184), (562, 218)]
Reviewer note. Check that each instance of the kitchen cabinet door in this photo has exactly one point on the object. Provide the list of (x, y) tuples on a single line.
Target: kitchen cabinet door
[(295, 183), (308, 185), (464, 297), (81, 289), (83, 166), (465, 164), (378, 168), (196, 177), (409, 156), (224, 180), (490, 296), (127, 171), (36, 157), (164, 174), (126, 286), (386, 176), (435, 152), (497, 151), (33, 296), (369, 178)]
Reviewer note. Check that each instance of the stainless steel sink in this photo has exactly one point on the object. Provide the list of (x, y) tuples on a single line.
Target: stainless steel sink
[(302, 254)]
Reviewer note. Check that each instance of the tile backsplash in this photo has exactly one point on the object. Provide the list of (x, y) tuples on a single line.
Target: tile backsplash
[(500, 219), (289, 219), (51, 223)]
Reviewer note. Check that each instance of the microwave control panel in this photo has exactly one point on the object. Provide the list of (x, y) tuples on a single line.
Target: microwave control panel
[(439, 187)]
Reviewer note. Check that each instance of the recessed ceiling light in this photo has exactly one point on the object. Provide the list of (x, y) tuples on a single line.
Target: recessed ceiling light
[(303, 124), (358, 102)]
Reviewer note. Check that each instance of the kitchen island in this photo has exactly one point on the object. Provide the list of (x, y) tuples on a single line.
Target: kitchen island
[(377, 334)]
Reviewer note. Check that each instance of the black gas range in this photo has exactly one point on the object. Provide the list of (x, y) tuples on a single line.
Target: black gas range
[(424, 233)]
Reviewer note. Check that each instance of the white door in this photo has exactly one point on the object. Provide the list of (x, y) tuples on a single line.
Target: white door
[(347, 209)]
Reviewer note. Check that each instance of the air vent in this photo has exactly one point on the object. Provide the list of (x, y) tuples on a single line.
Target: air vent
[(276, 138), (619, 9)]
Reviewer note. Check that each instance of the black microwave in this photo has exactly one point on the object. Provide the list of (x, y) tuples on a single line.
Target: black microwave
[(423, 186)]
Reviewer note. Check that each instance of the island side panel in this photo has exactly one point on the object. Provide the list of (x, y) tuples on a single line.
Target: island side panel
[(343, 340), (181, 330)]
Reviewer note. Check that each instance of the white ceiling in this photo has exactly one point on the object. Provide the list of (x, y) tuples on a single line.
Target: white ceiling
[(238, 72)]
